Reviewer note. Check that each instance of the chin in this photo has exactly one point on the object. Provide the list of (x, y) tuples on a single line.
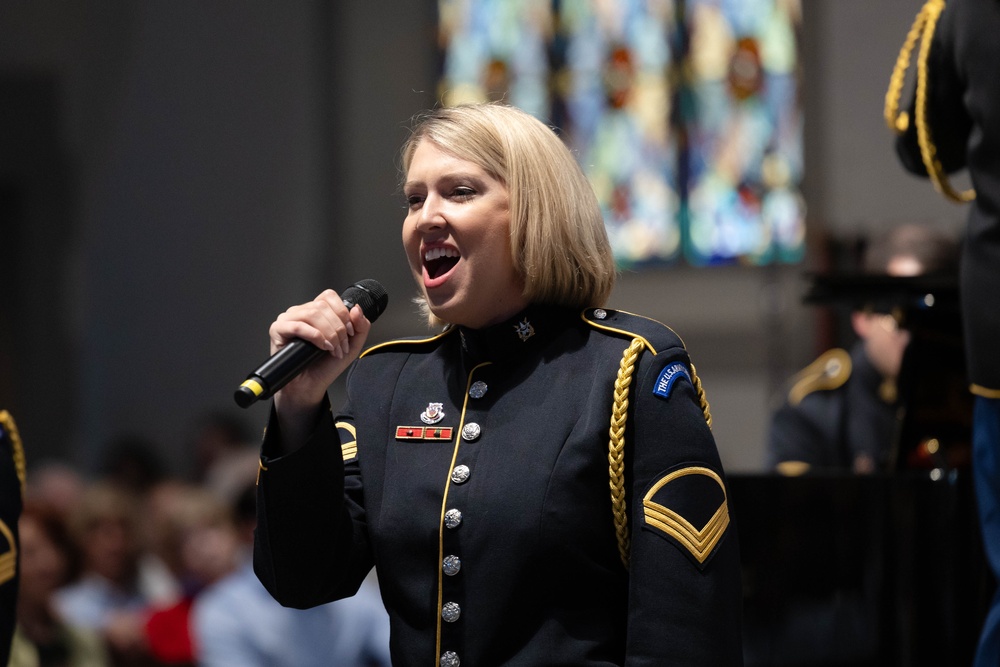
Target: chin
[(445, 316)]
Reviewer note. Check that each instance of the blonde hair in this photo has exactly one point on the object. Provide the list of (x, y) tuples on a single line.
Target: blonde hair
[(557, 236)]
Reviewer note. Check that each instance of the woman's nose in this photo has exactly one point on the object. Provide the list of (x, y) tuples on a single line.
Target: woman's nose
[(431, 215)]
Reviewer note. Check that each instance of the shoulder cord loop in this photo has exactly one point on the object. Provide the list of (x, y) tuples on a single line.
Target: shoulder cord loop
[(922, 29), (702, 398), (20, 465), (616, 444)]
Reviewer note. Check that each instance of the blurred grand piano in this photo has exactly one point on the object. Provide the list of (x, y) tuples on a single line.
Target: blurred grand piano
[(880, 570)]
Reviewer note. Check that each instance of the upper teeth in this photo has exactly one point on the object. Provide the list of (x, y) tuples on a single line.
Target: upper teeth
[(435, 253)]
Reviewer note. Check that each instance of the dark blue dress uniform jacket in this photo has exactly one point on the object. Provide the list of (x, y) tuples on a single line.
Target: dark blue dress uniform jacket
[(491, 526)]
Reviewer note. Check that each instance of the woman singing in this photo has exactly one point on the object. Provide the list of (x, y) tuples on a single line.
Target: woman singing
[(537, 484)]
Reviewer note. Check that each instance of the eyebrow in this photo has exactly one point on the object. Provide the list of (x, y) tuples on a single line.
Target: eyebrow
[(450, 176)]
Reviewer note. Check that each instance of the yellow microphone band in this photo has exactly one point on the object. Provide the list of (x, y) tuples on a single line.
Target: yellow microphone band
[(253, 386)]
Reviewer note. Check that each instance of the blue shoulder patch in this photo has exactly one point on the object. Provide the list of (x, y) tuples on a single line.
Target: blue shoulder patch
[(668, 377)]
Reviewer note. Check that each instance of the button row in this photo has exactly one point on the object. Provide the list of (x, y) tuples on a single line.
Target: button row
[(451, 611)]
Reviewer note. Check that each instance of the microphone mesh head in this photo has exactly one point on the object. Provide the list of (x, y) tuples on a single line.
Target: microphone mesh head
[(370, 295)]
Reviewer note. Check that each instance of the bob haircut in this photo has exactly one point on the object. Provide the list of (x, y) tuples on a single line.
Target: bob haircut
[(557, 236)]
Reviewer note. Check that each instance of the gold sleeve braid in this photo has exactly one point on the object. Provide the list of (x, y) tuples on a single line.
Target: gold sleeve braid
[(922, 29), (616, 444)]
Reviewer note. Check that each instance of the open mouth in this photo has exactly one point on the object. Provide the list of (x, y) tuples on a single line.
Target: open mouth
[(439, 261)]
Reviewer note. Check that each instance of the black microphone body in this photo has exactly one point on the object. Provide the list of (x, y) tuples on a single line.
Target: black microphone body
[(289, 361)]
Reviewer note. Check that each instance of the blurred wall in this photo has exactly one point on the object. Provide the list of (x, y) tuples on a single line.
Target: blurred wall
[(173, 175)]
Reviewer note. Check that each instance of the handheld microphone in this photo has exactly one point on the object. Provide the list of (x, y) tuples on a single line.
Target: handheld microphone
[(289, 361)]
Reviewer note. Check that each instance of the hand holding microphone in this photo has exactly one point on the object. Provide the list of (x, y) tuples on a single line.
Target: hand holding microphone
[(326, 323)]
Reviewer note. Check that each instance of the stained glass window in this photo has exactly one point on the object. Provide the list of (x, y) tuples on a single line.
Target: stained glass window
[(683, 113)]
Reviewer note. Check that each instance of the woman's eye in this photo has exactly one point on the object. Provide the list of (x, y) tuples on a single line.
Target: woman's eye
[(413, 201), (463, 192)]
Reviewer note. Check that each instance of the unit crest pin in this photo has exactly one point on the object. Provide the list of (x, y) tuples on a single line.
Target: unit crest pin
[(433, 413)]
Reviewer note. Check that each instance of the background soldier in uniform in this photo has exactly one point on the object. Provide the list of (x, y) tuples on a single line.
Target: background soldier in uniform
[(841, 412)]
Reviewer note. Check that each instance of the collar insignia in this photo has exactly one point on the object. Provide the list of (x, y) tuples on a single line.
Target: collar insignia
[(524, 330), (433, 413)]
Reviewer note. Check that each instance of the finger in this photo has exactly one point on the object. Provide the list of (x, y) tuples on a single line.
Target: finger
[(326, 313), (284, 331), (361, 327), (340, 319)]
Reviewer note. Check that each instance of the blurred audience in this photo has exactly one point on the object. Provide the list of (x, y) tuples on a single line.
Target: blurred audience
[(238, 624), (841, 412), (141, 569), (133, 463), (220, 441), (55, 485), (48, 561), (199, 542), (113, 585)]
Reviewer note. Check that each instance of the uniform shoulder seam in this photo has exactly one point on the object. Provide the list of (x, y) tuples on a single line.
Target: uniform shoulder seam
[(653, 333), (402, 342)]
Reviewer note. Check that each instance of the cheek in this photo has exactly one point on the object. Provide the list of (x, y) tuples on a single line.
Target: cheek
[(406, 232), (411, 244)]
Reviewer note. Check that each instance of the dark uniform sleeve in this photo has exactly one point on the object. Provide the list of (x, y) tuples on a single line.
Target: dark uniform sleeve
[(947, 116), (11, 489), (311, 543), (685, 594)]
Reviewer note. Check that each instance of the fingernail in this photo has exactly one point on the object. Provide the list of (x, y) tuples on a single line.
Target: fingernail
[(350, 328), (346, 347), (339, 353)]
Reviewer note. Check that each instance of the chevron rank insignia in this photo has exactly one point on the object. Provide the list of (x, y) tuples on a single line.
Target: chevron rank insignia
[(687, 506), (348, 440)]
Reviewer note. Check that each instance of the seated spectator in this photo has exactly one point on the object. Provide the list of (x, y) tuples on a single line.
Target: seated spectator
[(112, 586), (42, 638), (198, 539), (133, 462), (841, 411), (56, 485), (216, 440), (238, 624)]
